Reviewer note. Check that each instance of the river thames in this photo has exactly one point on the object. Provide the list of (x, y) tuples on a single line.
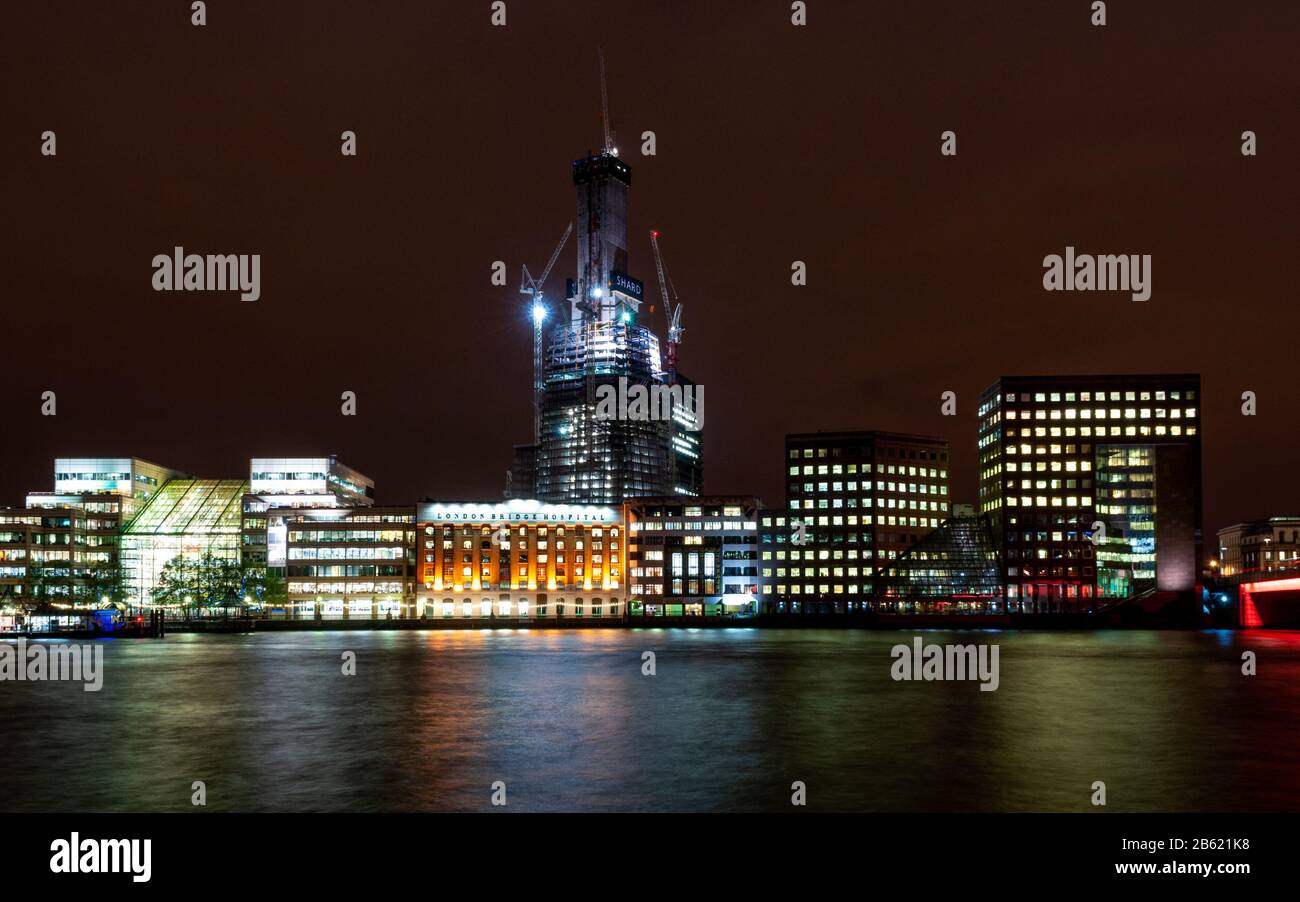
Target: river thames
[(568, 721)]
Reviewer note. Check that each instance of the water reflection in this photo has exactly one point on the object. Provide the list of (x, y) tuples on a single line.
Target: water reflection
[(569, 722)]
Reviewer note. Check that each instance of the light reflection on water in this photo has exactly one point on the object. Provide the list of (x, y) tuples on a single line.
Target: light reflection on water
[(567, 720)]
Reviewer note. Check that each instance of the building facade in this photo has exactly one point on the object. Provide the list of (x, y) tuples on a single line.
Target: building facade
[(854, 502), (278, 488), (521, 559), (1092, 485), (692, 556), (131, 479), (351, 562), (588, 452), (956, 568), (64, 547), (687, 439), (61, 553), (184, 521), (1259, 547)]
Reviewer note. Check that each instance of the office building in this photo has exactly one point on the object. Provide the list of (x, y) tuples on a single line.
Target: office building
[(278, 487), (956, 568), (687, 439), (63, 548), (854, 502), (62, 555), (1092, 485), (132, 480), (351, 562), (692, 556)]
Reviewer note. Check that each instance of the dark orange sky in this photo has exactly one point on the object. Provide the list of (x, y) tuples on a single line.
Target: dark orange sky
[(775, 144)]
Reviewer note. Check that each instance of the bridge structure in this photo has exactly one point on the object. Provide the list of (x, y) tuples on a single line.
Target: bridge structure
[(1266, 598)]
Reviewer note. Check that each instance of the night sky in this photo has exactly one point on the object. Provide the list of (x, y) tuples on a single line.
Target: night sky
[(775, 144)]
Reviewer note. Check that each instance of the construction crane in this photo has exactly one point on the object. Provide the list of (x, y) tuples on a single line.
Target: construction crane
[(610, 147), (533, 288), (529, 285), (674, 313)]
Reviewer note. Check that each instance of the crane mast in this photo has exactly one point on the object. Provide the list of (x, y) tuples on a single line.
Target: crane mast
[(604, 107), (529, 285), (533, 288), (673, 313)]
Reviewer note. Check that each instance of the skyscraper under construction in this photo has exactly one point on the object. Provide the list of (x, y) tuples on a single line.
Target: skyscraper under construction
[(586, 451)]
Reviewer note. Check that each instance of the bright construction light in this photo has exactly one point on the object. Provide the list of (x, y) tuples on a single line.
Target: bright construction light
[(539, 313), (597, 293)]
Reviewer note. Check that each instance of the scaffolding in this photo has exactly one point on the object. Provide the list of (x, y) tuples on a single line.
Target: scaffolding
[(584, 458)]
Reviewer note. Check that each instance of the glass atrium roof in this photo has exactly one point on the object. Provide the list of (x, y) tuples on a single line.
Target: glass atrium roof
[(192, 507)]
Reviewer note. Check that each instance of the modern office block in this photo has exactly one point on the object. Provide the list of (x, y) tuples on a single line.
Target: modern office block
[(855, 501), (1092, 485), (692, 556), (354, 562), (278, 487)]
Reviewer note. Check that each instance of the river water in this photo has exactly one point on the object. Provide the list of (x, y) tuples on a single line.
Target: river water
[(568, 721)]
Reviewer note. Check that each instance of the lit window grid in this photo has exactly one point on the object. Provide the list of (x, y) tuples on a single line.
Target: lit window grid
[(1035, 431), (442, 549), (920, 505)]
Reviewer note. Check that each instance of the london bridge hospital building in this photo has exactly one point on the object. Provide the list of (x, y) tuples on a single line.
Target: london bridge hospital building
[(520, 559)]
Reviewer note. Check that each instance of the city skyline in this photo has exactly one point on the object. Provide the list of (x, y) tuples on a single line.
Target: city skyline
[(914, 287), (358, 458)]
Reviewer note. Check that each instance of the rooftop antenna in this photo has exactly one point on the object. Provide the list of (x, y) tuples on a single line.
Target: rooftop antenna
[(610, 148)]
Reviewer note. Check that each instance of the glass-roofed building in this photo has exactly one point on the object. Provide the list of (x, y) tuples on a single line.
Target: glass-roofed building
[(187, 517), (954, 567)]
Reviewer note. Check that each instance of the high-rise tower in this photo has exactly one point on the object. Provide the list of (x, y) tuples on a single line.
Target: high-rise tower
[(589, 452), (602, 182), (596, 444)]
